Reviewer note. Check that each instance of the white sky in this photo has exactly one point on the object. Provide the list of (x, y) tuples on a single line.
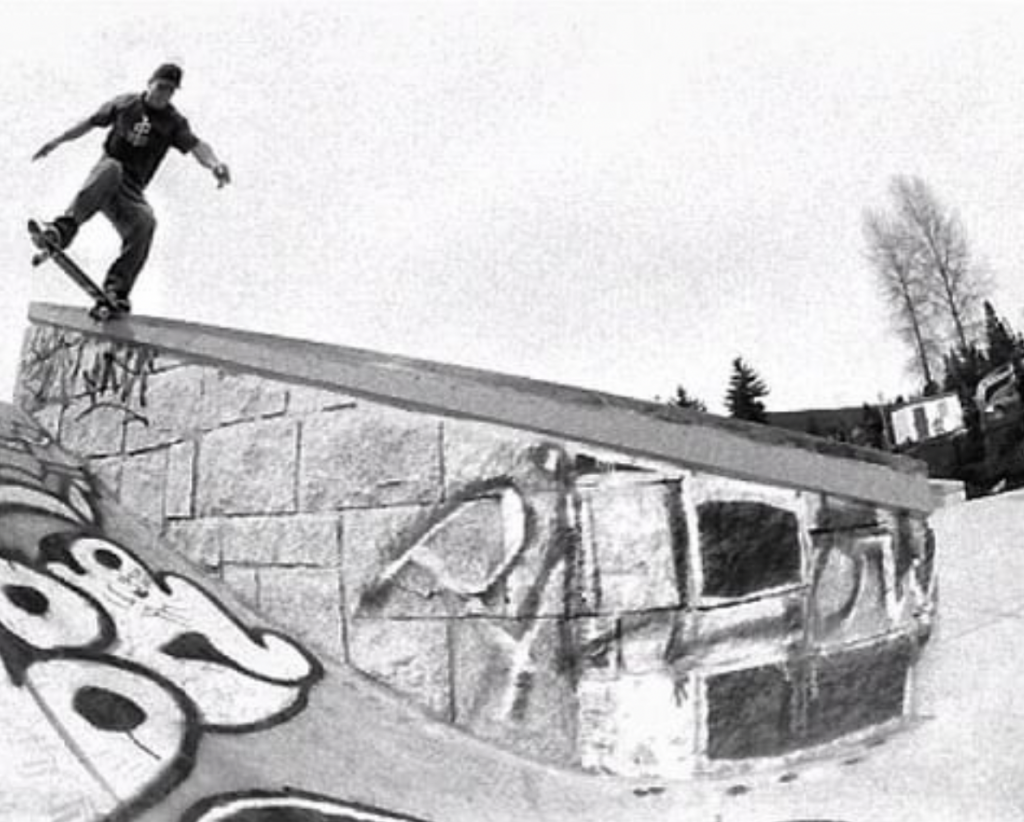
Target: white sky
[(616, 196)]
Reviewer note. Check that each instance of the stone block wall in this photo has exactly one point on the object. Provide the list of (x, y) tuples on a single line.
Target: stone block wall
[(576, 605)]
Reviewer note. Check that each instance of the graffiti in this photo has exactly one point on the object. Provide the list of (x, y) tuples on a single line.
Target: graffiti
[(747, 547), (851, 646), (538, 623), (50, 365), (536, 505), (240, 679), (112, 672), (519, 519), (286, 806), (854, 585), (549, 581), (88, 737), (89, 732), (864, 582), (59, 367)]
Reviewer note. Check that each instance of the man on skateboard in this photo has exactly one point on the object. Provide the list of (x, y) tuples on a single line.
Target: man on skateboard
[(142, 127)]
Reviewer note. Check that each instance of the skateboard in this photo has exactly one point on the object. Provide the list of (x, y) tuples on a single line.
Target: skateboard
[(104, 309)]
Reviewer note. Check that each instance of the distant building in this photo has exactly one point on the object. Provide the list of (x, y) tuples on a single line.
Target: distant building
[(905, 424), (926, 418), (935, 430), (998, 394)]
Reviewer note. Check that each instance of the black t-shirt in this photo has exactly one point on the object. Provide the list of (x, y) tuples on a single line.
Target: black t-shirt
[(140, 135)]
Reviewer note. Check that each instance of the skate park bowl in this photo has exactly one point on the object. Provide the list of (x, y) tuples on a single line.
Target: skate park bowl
[(256, 578)]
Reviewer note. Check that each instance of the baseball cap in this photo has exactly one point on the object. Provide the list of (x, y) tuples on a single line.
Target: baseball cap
[(169, 73)]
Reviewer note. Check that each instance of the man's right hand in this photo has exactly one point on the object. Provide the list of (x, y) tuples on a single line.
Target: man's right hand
[(223, 174), (46, 149)]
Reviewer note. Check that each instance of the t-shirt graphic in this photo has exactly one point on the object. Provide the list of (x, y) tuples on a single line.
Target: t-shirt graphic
[(140, 135)]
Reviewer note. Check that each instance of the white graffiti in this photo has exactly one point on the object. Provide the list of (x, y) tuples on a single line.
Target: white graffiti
[(83, 738), (535, 504), (45, 613), (76, 509), (83, 732), (296, 806), (236, 677), (427, 552), (112, 672)]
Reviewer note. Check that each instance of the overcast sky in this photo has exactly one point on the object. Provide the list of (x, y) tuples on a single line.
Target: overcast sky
[(617, 196)]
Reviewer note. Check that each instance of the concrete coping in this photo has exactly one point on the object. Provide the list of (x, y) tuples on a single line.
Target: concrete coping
[(648, 430)]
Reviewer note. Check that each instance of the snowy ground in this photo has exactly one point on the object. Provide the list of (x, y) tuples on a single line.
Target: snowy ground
[(965, 762)]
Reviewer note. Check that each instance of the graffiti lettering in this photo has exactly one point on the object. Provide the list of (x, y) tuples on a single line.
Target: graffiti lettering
[(538, 540), (59, 368)]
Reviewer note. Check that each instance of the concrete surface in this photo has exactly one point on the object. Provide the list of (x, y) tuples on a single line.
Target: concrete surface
[(136, 688), (577, 605), (642, 429), (344, 740)]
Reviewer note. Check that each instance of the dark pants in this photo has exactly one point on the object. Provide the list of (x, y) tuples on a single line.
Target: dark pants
[(107, 190)]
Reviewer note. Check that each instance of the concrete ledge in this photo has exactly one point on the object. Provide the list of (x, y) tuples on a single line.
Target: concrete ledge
[(948, 492), (641, 429)]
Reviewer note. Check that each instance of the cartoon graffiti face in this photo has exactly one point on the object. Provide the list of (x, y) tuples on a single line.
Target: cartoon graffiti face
[(125, 582), (239, 678)]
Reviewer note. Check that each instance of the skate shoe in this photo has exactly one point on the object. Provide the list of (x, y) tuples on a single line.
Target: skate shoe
[(61, 231), (121, 304)]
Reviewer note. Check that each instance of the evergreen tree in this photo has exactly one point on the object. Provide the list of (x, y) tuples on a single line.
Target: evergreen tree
[(746, 388), (964, 370), (683, 399), (1003, 344), (874, 428)]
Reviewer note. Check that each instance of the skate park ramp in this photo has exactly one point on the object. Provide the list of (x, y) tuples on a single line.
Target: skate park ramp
[(138, 688)]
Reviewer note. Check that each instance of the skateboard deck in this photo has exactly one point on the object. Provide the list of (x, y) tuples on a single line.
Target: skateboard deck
[(104, 308)]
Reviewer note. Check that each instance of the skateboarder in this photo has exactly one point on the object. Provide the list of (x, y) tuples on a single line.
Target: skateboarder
[(142, 127)]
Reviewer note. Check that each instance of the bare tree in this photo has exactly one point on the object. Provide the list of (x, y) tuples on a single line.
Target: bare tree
[(956, 284), (892, 250), (930, 281)]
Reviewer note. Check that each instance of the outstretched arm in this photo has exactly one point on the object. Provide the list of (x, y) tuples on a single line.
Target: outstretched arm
[(204, 153), (72, 133)]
